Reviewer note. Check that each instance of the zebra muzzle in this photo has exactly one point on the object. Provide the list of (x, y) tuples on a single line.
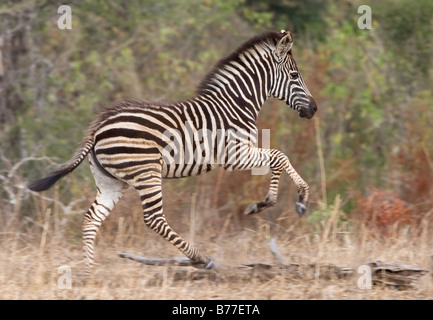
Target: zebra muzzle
[(308, 111)]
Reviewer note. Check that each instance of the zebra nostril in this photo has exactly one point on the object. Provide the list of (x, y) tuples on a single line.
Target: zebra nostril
[(312, 104)]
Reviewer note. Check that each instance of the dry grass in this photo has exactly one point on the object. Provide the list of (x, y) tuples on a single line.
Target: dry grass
[(30, 261)]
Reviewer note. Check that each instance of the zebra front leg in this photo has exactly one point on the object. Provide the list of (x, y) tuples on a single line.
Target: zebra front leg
[(303, 193), (149, 188), (271, 197), (278, 162)]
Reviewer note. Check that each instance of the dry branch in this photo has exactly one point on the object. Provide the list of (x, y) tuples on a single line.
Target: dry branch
[(176, 261), (276, 252)]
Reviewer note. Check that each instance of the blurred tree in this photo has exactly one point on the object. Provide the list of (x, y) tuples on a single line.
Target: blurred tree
[(302, 17), (373, 86), (406, 29)]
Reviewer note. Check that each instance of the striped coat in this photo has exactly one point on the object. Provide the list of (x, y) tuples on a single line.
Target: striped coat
[(138, 143)]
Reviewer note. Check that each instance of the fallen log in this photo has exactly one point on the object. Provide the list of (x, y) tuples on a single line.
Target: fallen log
[(390, 274), (393, 274)]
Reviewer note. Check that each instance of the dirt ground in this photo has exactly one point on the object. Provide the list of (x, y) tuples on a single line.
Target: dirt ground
[(32, 268), (41, 257)]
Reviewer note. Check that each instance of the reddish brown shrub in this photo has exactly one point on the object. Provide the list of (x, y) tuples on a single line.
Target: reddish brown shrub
[(384, 212)]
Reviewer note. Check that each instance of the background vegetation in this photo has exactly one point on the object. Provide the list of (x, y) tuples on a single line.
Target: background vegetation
[(370, 144)]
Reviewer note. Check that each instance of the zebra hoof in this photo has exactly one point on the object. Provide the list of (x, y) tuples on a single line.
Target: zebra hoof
[(204, 264), (251, 209), (210, 266), (300, 208)]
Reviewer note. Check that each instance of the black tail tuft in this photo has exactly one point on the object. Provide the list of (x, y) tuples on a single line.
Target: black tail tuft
[(79, 155), (46, 183)]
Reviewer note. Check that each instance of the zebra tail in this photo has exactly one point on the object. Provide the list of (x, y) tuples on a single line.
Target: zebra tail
[(80, 153)]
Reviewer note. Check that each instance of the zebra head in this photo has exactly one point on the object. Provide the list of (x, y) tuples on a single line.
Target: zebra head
[(288, 83)]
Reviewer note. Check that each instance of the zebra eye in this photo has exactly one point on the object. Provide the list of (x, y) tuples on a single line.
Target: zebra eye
[(294, 75)]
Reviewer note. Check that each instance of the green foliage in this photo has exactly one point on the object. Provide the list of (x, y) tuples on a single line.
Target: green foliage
[(373, 87), (406, 28), (303, 17)]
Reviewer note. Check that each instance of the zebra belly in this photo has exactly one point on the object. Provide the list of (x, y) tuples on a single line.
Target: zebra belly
[(128, 163), (173, 171)]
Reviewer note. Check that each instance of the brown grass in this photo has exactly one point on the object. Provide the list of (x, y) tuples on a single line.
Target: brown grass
[(30, 257)]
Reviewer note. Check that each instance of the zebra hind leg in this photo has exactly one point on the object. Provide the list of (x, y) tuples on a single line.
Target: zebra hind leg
[(109, 192), (150, 191)]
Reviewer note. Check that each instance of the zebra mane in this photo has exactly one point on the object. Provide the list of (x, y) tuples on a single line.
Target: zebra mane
[(267, 37)]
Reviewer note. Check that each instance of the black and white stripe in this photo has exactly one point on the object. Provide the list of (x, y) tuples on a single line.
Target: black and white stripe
[(137, 143)]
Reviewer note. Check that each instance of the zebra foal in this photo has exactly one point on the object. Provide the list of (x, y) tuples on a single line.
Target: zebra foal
[(138, 143)]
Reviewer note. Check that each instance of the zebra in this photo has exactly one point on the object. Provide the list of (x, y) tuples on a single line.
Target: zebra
[(126, 142)]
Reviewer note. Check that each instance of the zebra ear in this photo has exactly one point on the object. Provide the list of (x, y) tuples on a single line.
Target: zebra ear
[(284, 45)]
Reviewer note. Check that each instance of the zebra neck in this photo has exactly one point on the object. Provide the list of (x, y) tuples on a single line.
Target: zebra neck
[(237, 88), (231, 109)]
